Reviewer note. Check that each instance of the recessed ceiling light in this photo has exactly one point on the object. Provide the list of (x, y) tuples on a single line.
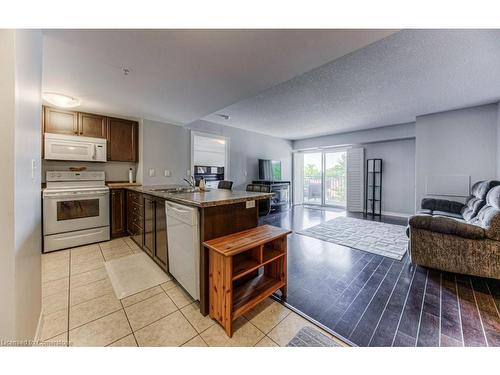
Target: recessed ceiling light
[(60, 100), (225, 117)]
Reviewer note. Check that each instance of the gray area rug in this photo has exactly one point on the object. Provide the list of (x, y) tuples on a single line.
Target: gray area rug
[(133, 274), (388, 240), (310, 337)]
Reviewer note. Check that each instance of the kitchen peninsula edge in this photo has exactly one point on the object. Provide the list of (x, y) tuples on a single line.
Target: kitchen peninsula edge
[(221, 212)]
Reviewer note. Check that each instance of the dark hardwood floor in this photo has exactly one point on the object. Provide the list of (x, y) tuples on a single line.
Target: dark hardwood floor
[(371, 300)]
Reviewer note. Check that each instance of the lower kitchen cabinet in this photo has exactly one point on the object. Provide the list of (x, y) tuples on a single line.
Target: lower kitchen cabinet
[(161, 248), (147, 225), (135, 217), (118, 213)]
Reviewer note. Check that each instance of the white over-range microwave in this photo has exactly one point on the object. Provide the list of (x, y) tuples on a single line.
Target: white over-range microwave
[(75, 148)]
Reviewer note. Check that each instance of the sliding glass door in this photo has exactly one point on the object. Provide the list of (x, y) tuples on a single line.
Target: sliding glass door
[(313, 177), (335, 178), (324, 178)]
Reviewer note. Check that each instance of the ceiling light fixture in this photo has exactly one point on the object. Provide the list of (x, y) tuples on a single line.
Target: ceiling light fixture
[(60, 100), (225, 117)]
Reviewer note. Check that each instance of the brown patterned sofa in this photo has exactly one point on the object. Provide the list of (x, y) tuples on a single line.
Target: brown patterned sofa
[(456, 237)]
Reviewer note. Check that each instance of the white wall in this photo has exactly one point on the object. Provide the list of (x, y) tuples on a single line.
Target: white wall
[(398, 178), (7, 150), (385, 133), (114, 170), (20, 217), (460, 142), (164, 146), (246, 148), (498, 142), (168, 147)]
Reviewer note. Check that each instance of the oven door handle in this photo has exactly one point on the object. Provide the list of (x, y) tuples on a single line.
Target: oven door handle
[(74, 195)]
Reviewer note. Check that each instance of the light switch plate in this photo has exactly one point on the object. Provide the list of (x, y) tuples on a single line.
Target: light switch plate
[(167, 173), (250, 204), (151, 172)]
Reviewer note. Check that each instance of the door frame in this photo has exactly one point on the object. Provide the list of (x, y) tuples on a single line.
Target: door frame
[(323, 151), (215, 136)]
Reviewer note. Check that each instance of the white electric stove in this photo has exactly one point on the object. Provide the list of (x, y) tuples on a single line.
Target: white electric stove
[(75, 209)]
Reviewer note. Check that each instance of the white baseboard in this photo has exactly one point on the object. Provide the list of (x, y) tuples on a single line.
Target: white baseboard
[(398, 214)]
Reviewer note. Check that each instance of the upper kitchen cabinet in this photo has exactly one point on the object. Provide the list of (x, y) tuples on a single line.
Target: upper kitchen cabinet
[(60, 121), (90, 125), (122, 140), (122, 135)]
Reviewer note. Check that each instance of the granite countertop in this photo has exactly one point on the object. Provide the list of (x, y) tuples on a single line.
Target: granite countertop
[(213, 197), (121, 185)]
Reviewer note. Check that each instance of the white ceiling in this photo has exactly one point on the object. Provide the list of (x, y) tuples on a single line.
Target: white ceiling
[(179, 76), (410, 73)]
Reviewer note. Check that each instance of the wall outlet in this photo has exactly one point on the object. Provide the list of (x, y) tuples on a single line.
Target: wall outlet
[(167, 173), (245, 173), (151, 172), (250, 204), (188, 173)]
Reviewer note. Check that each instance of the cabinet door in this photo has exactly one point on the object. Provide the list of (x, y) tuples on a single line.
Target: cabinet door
[(122, 140), (59, 121), (118, 214), (90, 125), (161, 249), (149, 223)]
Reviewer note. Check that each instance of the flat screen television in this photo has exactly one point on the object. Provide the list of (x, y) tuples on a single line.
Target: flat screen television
[(269, 170)]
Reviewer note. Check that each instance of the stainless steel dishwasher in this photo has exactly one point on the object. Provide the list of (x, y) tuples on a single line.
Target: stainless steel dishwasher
[(184, 246)]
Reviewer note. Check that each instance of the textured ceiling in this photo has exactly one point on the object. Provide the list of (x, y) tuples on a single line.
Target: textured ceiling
[(178, 76), (410, 73)]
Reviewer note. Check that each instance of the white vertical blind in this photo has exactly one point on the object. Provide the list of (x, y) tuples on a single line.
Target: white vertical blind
[(355, 179), (298, 178)]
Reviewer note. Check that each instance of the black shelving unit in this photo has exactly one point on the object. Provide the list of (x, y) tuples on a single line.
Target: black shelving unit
[(373, 188)]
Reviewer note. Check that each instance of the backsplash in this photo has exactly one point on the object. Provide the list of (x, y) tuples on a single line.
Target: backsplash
[(115, 171)]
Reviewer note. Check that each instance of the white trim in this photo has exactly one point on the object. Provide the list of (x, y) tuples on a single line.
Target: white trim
[(398, 214), (215, 136), (39, 328)]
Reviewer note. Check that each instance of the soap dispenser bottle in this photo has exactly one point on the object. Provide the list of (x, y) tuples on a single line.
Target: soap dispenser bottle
[(202, 184), (130, 176)]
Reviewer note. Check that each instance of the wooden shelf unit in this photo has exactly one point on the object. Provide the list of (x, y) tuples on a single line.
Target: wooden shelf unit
[(244, 269)]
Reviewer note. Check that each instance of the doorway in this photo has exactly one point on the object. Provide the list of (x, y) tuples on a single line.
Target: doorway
[(325, 178)]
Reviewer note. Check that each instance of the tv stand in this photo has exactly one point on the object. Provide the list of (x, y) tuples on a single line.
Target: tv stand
[(281, 191)]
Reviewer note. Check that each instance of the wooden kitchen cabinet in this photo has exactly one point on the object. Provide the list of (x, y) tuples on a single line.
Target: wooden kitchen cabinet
[(122, 135), (122, 138), (135, 217), (90, 125), (161, 241), (118, 213), (60, 121), (149, 225)]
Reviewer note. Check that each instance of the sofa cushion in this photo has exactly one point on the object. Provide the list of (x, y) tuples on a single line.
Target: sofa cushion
[(477, 199), (489, 216), (447, 225), (434, 204), (447, 214)]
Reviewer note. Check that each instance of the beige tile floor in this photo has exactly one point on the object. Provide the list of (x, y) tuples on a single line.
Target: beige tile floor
[(81, 309)]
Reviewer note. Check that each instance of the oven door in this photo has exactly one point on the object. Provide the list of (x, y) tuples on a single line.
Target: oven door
[(71, 211)]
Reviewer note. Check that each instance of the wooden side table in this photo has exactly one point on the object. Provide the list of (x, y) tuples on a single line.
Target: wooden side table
[(244, 269)]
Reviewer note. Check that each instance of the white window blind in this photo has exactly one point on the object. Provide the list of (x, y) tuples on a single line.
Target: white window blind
[(355, 179), (298, 178)]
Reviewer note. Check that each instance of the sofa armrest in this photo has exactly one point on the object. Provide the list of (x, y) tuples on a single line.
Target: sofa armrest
[(442, 205), (447, 225)]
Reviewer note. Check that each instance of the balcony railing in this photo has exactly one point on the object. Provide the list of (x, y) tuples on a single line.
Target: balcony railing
[(335, 189)]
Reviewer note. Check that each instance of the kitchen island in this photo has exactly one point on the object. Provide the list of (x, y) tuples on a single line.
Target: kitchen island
[(221, 212)]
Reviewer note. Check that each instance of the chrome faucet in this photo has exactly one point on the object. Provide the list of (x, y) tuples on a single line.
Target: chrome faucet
[(191, 182)]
